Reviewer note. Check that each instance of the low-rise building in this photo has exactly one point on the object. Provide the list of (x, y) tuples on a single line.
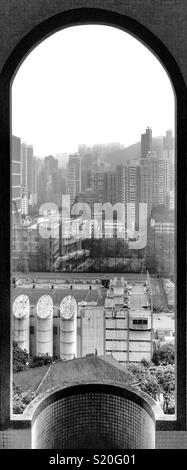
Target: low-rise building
[(115, 321)]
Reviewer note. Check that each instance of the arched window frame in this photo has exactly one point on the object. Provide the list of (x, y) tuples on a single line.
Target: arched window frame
[(40, 32)]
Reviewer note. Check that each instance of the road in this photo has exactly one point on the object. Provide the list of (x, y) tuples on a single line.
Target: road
[(159, 298)]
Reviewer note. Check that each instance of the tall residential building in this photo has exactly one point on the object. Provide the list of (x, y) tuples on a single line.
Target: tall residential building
[(132, 183), (146, 142), (51, 165), (16, 178), (47, 186), (74, 176), (97, 182), (120, 183), (30, 175), (132, 192), (109, 187), (34, 193), (168, 145), (24, 201), (24, 171), (27, 166), (154, 177), (29, 172), (168, 153), (86, 170), (128, 188)]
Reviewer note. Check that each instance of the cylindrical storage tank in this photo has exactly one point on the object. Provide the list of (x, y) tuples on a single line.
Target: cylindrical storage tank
[(21, 307), (68, 328), (44, 341)]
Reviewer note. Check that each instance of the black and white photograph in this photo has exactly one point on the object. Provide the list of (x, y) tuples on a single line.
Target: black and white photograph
[(93, 119)]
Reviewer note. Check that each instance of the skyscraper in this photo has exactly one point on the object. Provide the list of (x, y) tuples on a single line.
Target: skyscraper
[(109, 187), (132, 192), (74, 176), (86, 170), (24, 200), (154, 176), (16, 177), (146, 142), (128, 190), (34, 194), (97, 182), (168, 153), (51, 165), (24, 171), (29, 172), (168, 145), (120, 186)]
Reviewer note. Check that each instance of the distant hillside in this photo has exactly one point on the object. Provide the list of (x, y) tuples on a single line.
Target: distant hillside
[(119, 157)]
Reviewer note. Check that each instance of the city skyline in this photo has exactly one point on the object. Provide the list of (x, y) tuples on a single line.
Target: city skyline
[(57, 109), (62, 157), (121, 187)]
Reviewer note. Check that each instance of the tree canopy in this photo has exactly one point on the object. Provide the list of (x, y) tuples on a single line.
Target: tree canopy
[(164, 355), (21, 399), (156, 381), (148, 383), (20, 358)]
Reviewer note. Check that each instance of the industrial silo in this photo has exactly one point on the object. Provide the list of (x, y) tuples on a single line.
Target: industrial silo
[(68, 328), (44, 340), (21, 308)]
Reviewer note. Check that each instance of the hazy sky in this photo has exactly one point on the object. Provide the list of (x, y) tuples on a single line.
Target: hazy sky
[(89, 84)]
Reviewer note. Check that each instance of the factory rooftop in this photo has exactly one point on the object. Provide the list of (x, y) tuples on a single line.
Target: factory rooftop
[(94, 297)]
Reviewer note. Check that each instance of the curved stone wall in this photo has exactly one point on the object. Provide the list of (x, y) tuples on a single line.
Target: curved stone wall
[(94, 416)]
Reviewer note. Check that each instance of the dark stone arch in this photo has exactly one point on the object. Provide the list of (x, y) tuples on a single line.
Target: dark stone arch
[(100, 16), (32, 39)]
